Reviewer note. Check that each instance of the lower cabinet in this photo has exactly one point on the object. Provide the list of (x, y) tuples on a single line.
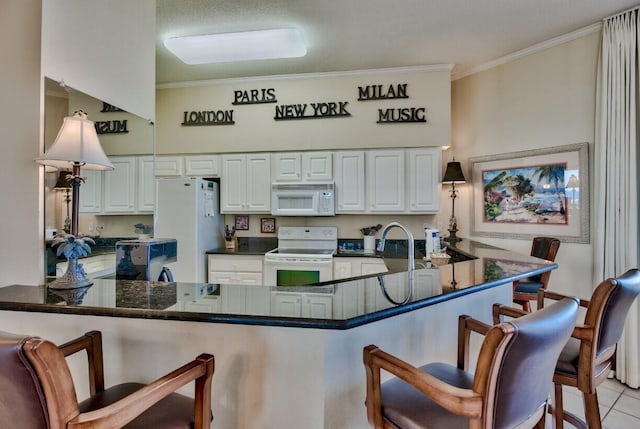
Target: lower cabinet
[(346, 267), (235, 269), (294, 304)]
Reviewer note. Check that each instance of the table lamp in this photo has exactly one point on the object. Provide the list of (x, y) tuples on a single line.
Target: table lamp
[(452, 175), (76, 146)]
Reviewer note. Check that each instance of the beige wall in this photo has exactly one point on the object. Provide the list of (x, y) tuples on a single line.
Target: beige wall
[(543, 100), (256, 130), (21, 228)]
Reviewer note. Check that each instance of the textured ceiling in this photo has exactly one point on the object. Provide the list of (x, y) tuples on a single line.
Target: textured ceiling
[(347, 35)]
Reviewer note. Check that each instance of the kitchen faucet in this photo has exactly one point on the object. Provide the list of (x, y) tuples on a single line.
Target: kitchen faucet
[(411, 248)]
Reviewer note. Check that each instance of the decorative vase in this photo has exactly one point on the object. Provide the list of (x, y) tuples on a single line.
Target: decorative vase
[(74, 278)]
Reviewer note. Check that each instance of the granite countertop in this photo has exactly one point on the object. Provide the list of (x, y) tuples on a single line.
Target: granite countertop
[(248, 246), (170, 301)]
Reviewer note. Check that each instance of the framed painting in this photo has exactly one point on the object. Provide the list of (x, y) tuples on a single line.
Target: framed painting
[(543, 192), (242, 223), (268, 225)]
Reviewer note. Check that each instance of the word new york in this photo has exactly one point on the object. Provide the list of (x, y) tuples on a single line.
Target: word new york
[(320, 110)]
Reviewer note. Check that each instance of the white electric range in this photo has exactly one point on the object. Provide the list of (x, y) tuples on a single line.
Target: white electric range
[(304, 256)]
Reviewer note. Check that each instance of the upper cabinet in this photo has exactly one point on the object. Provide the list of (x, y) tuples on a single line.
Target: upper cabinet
[(189, 165), (423, 181), (388, 181), (246, 183), (302, 166), (385, 180), (127, 189), (350, 196)]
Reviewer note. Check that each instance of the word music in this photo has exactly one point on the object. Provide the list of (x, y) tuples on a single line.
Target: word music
[(401, 114), (106, 108), (111, 127), (382, 92), (254, 96), (317, 110), (208, 117)]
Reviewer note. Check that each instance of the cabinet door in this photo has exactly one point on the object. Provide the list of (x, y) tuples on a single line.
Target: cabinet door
[(424, 179), (317, 166), (146, 181), (234, 172), (285, 304), (385, 180), (170, 166), (91, 191), (258, 183), (342, 268), (202, 165), (286, 167), (317, 306), (119, 185), (350, 196)]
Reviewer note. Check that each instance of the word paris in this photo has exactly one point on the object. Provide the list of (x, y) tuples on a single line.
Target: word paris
[(329, 109)]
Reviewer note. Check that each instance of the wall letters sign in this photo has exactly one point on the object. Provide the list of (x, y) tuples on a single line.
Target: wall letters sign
[(401, 115), (108, 108), (111, 127), (208, 117), (382, 92), (254, 96), (286, 112)]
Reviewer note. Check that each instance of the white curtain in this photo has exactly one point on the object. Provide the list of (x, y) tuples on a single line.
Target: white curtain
[(616, 173)]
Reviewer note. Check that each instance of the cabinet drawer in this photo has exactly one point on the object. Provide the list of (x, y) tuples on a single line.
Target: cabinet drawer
[(235, 263), (223, 278)]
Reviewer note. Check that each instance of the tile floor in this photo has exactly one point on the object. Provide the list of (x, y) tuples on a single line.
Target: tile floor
[(619, 405)]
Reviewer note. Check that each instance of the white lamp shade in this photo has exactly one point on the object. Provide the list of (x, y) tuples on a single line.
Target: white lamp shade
[(77, 143)]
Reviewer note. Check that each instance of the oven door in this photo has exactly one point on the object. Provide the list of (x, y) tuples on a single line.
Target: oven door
[(283, 271)]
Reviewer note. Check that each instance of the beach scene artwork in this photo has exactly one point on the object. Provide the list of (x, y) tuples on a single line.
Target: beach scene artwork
[(528, 195)]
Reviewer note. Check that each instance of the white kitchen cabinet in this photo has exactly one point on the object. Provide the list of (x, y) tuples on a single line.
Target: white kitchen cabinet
[(127, 189), (294, 304), (145, 201), (246, 183), (424, 187), (91, 191), (243, 299), (302, 166), (202, 165), (169, 166), (348, 266), (427, 283), (235, 269), (350, 181), (385, 180), (207, 304)]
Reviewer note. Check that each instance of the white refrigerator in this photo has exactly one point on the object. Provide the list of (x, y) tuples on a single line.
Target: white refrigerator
[(187, 209)]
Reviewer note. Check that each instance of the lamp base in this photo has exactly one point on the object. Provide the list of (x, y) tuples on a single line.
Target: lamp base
[(74, 278), (452, 238)]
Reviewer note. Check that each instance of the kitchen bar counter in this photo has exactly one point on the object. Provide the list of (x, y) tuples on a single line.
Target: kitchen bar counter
[(273, 368), (332, 300)]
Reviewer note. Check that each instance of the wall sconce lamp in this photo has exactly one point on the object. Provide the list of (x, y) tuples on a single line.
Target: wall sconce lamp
[(76, 146), (64, 184), (452, 175)]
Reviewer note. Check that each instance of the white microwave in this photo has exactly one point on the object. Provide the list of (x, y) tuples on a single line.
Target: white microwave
[(303, 199)]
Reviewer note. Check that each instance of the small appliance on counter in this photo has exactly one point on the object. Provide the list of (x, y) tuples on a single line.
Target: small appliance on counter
[(431, 241), (144, 259)]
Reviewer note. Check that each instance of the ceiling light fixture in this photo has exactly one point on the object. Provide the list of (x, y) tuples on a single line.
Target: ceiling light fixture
[(244, 46)]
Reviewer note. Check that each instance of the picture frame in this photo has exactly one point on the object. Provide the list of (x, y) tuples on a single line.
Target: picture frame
[(268, 225), (242, 222), (541, 192)]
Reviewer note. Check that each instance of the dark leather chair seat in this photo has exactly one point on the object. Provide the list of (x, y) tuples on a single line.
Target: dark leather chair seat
[(407, 407)]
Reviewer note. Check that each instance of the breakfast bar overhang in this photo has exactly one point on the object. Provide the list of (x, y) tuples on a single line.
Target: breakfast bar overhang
[(273, 370)]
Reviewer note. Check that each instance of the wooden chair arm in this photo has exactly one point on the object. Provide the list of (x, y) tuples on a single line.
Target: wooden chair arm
[(583, 332), (466, 324), (91, 342), (463, 402), (499, 310), (126, 409), (547, 294)]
